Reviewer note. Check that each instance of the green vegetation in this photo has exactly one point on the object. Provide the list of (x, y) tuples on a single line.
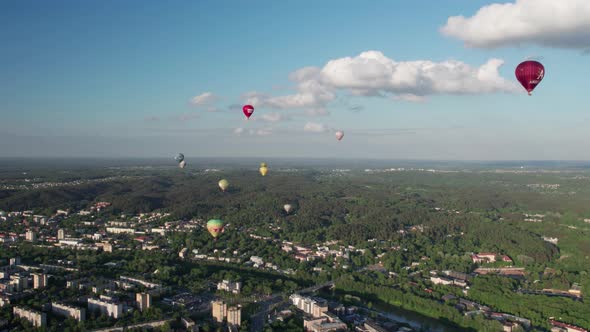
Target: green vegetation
[(408, 223)]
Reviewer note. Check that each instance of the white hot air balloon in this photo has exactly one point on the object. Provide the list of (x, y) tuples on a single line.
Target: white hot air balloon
[(288, 208), (339, 135)]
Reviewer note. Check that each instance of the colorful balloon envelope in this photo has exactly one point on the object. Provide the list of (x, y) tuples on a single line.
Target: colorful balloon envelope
[(263, 170), (248, 110), (182, 164), (223, 184), (288, 208), (215, 227), (179, 157), (339, 135), (530, 73)]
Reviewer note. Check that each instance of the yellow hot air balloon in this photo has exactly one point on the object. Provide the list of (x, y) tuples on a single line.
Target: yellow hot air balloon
[(223, 184), (263, 169)]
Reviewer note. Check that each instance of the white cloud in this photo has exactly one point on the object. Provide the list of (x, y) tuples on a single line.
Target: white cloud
[(409, 97), (203, 99), (371, 73), (554, 23), (152, 118), (238, 131), (314, 127)]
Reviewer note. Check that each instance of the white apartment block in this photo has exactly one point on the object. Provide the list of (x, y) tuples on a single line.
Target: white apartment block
[(65, 310), (38, 319), (108, 308), (143, 300), (230, 286), (39, 280)]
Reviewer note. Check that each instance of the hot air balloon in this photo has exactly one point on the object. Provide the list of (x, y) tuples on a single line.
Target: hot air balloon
[(215, 227), (248, 110), (288, 208), (530, 73), (179, 157), (182, 164), (223, 184), (339, 135), (263, 169)]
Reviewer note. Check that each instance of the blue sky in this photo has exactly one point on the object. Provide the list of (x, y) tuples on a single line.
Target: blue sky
[(115, 78)]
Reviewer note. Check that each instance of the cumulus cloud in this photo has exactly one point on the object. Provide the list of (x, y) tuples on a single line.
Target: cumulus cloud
[(314, 127), (238, 131), (205, 98), (554, 23), (373, 74)]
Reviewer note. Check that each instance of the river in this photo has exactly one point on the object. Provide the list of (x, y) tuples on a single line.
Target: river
[(415, 320)]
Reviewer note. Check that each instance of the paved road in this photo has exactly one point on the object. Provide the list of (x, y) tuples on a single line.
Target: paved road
[(259, 319), (149, 324)]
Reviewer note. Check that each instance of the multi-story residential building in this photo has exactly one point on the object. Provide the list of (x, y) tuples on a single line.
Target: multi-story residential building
[(65, 310), (15, 261), (118, 230), (315, 307), (106, 307), (107, 247), (19, 282), (230, 286), (219, 310), (328, 322), (234, 316), (486, 257), (563, 327), (441, 281), (70, 242), (39, 280), (31, 236), (143, 300), (38, 319)]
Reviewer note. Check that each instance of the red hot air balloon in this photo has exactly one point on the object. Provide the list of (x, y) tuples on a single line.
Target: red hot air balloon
[(529, 74), (248, 110)]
